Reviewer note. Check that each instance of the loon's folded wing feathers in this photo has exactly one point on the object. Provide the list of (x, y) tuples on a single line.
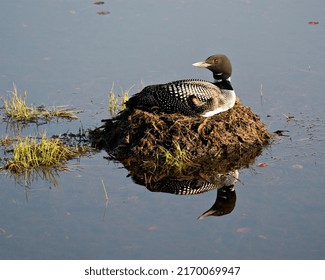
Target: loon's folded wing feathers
[(200, 88), (189, 97)]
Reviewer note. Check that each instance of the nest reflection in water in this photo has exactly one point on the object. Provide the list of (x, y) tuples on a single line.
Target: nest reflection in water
[(185, 155)]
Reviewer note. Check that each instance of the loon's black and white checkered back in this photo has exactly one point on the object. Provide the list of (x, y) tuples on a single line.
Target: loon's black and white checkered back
[(188, 97)]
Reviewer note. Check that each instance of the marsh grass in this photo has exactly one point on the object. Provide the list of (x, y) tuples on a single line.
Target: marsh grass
[(7, 140), (31, 153), (30, 158), (175, 159), (106, 194), (116, 102), (62, 111), (16, 109)]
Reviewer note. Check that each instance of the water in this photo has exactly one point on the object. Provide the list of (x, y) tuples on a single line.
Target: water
[(64, 53)]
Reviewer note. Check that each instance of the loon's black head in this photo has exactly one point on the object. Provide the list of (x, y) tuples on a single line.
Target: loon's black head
[(219, 64)]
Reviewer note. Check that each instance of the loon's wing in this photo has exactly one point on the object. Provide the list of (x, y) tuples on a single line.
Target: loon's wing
[(189, 97)]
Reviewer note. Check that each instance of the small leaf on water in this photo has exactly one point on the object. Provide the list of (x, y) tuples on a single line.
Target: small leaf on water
[(243, 230), (262, 164), (103, 13), (297, 166), (281, 132), (152, 228), (261, 236)]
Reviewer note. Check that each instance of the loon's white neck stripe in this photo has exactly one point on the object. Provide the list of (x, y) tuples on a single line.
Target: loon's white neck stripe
[(220, 80)]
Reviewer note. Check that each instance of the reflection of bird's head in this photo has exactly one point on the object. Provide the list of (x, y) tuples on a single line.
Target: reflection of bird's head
[(224, 204)]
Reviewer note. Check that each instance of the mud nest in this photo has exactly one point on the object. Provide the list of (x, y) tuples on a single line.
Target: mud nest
[(229, 136)]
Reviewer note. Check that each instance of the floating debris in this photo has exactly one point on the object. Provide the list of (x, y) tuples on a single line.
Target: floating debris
[(289, 117), (103, 13), (297, 166), (243, 230), (281, 132), (262, 164)]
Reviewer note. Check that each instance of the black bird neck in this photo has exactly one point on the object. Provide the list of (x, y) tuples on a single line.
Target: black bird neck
[(223, 84)]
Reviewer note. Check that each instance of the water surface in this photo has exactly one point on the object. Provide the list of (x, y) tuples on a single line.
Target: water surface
[(66, 54)]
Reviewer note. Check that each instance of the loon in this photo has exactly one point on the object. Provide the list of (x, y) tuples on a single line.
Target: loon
[(192, 96)]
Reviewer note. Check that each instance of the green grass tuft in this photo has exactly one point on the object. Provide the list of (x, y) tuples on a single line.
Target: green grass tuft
[(16, 109), (116, 102), (175, 158), (31, 153)]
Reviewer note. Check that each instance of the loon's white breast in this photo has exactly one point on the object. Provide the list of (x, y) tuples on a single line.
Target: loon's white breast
[(230, 97)]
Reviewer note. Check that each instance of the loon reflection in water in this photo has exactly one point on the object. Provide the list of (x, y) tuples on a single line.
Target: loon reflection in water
[(223, 183)]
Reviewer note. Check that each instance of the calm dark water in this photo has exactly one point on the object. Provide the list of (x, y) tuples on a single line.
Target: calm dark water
[(64, 53)]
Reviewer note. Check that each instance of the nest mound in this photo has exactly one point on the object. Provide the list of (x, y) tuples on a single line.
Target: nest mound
[(185, 155), (143, 135)]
